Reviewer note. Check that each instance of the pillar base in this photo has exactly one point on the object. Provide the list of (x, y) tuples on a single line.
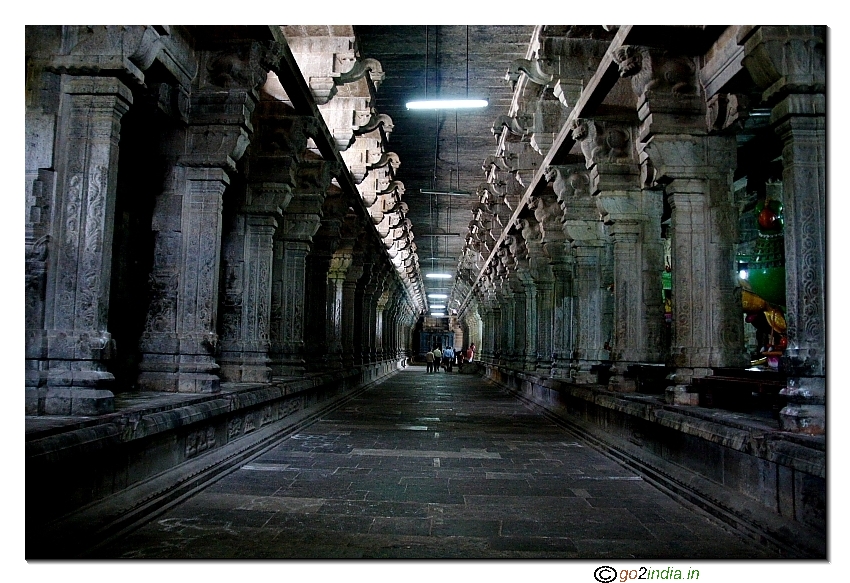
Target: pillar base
[(679, 395), (85, 402), (245, 367), (620, 383), (179, 382), (806, 409), (245, 373)]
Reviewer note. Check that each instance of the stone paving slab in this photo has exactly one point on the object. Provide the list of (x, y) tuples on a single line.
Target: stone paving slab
[(424, 467)]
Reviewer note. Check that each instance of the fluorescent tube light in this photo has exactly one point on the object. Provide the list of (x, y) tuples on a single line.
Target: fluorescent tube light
[(438, 307), (447, 104), (438, 296), (438, 275), (438, 314)]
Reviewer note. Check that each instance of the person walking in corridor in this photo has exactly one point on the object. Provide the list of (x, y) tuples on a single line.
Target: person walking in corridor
[(448, 358), (429, 361), (438, 356)]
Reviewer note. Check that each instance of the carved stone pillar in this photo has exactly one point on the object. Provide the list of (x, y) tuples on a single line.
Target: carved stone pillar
[(789, 64), (179, 343), (293, 242), (562, 317), (590, 321), (696, 171), (246, 309), (583, 269), (249, 244), (318, 304), (349, 308), (340, 263), (632, 219), (707, 323), (377, 301), (66, 372)]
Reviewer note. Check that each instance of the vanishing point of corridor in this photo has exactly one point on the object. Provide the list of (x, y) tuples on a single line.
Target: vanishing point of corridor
[(440, 465)]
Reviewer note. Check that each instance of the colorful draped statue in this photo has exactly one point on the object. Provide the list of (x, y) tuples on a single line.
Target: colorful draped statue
[(762, 277)]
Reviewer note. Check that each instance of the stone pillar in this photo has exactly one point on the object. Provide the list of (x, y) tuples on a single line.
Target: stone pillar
[(486, 348), (292, 245), (340, 263), (380, 306), (583, 271), (349, 308), (318, 300), (638, 314), (632, 220), (591, 332), (66, 372), (789, 64), (179, 343), (562, 317), (707, 323), (249, 246), (696, 171), (246, 309)]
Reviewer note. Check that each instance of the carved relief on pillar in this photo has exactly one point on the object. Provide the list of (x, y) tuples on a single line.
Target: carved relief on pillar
[(180, 342), (69, 263), (707, 328), (788, 63)]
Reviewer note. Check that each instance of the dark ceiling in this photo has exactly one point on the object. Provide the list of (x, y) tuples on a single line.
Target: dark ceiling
[(442, 150)]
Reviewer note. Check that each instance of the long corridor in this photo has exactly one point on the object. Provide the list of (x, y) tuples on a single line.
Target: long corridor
[(437, 465)]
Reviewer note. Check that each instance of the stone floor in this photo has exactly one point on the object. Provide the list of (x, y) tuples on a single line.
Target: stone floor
[(432, 466)]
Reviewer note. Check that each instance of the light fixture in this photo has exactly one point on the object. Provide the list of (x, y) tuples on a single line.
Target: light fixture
[(438, 313), (438, 307), (447, 104), (438, 296), (438, 275)]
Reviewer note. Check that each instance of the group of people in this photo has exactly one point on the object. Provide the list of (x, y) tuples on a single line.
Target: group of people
[(447, 357)]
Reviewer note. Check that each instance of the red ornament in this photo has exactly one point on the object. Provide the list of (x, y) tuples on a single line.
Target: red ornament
[(769, 220)]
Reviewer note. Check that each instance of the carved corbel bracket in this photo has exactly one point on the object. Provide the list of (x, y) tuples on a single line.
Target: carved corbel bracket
[(657, 71), (387, 158), (568, 183), (534, 69), (359, 70), (267, 198), (547, 213), (497, 161), (314, 176), (241, 65), (215, 146), (604, 142), (516, 127), (123, 51), (377, 120), (726, 112), (785, 59), (617, 207), (394, 189)]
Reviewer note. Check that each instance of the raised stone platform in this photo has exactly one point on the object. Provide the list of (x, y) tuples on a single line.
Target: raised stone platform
[(768, 484), (156, 448)]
